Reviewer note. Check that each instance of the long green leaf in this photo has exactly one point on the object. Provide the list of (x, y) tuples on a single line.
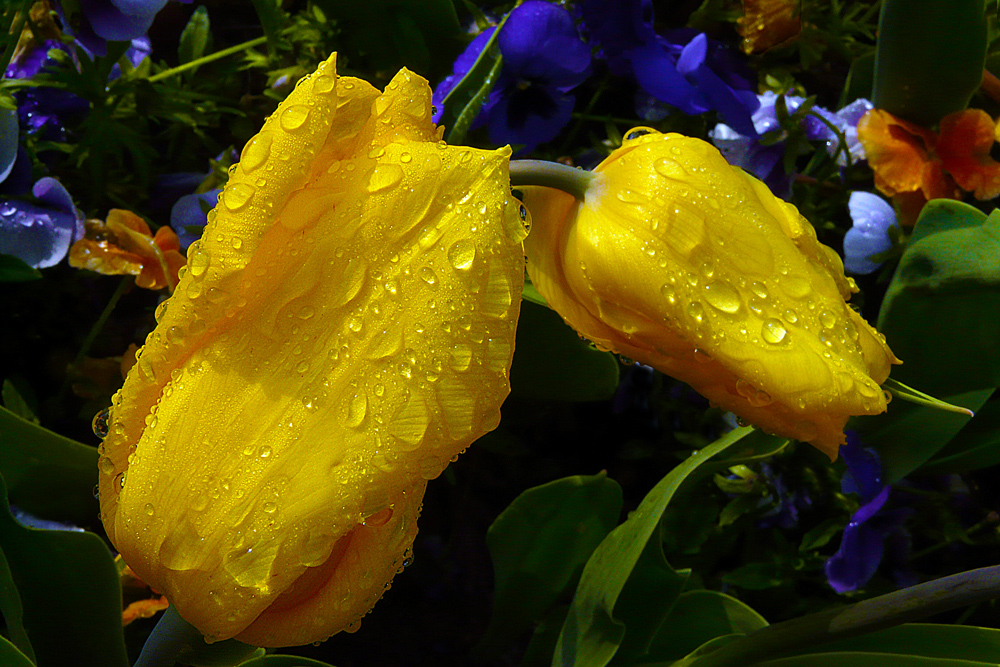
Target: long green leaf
[(591, 635)]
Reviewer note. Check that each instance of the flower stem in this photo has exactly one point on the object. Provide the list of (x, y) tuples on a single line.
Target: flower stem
[(171, 636), (884, 611), (551, 175), (198, 62)]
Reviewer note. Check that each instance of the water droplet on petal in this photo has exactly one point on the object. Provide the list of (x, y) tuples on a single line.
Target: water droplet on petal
[(462, 254), (357, 408), (293, 117), (384, 177), (723, 297), (237, 195), (99, 424), (773, 331), (827, 319), (324, 83), (256, 152), (461, 357)]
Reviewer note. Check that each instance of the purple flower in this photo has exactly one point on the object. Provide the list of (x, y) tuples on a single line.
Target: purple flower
[(190, 212), (682, 68), (44, 110), (40, 234), (543, 60), (872, 216), (120, 20), (766, 161), (863, 543)]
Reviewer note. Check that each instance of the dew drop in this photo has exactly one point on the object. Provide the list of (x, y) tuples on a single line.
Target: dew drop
[(302, 366), (237, 195), (670, 169), (293, 117), (106, 465), (462, 254), (323, 83), (149, 509), (256, 152), (357, 408), (270, 507), (428, 276), (305, 312), (827, 319), (461, 357), (773, 331), (99, 424), (695, 311), (723, 297), (379, 518), (669, 293), (264, 451), (759, 288)]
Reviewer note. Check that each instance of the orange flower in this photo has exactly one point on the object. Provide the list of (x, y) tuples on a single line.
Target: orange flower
[(768, 23), (913, 164), (124, 246)]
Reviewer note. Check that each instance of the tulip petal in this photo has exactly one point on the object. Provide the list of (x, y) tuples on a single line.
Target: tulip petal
[(964, 145), (344, 328), (679, 261)]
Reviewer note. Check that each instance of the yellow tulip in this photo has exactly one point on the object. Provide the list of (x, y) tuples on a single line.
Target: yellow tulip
[(342, 331), (680, 261)]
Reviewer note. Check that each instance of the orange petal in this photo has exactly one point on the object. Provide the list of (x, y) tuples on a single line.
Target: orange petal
[(897, 151), (144, 609), (964, 148)]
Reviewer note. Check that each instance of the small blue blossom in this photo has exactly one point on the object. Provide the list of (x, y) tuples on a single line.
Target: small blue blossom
[(40, 234), (544, 59), (120, 20), (44, 110), (863, 543), (682, 68), (766, 162), (872, 217), (189, 212)]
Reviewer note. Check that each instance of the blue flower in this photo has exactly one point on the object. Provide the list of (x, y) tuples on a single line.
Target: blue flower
[(120, 20), (44, 110), (872, 216), (40, 234), (544, 59), (682, 68), (863, 543), (189, 212), (766, 161)]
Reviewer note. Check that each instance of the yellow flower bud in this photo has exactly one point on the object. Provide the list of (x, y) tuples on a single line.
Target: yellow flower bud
[(342, 331), (680, 261)]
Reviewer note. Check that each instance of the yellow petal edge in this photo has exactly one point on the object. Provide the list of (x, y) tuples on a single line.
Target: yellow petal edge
[(342, 331), (680, 261)]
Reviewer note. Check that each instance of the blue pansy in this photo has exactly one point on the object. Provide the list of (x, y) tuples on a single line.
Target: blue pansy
[(544, 59), (189, 212), (872, 217), (766, 161), (863, 543), (41, 233), (44, 110), (120, 20), (682, 68)]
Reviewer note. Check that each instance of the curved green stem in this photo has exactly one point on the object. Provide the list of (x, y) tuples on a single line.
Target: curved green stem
[(551, 175), (207, 59), (884, 611), (171, 636)]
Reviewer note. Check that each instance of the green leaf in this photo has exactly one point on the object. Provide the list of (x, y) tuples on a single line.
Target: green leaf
[(591, 634), (466, 99), (860, 79), (11, 657), (854, 659), (646, 600), (68, 585), (908, 435), (220, 654), (976, 446), (13, 401), (551, 362), (195, 38), (927, 640), (698, 617), (12, 610), (929, 57), (48, 475), (821, 535), (14, 270), (539, 545), (755, 576), (941, 312), (272, 20)]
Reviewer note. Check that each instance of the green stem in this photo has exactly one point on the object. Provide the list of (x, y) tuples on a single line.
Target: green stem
[(198, 62), (13, 35), (884, 611), (551, 175), (171, 636)]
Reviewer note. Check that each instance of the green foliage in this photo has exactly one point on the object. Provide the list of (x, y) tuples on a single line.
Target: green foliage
[(64, 587), (48, 475), (539, 546), (466, 99), (930, 58), (14, 270), (552, 363)]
